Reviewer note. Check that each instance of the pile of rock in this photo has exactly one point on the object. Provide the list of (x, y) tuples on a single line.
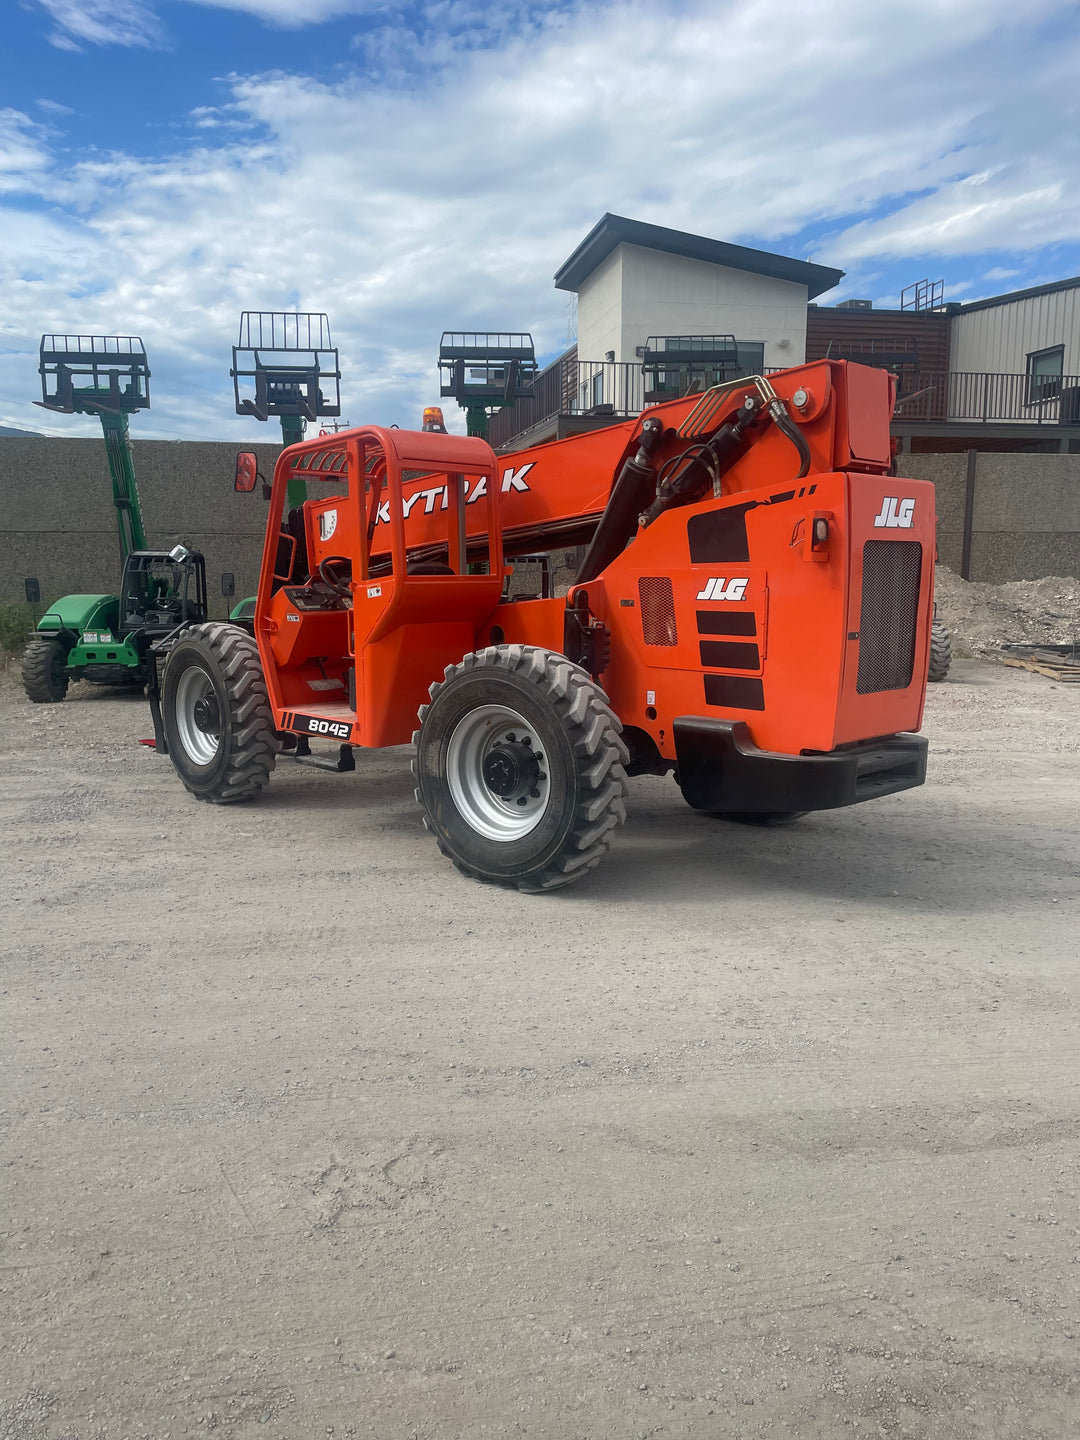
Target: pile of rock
[(982, 617)]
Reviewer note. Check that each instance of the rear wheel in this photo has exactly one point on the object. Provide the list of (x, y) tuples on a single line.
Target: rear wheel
[(940, 651), (218, 723), (44, 670), (520, 768)]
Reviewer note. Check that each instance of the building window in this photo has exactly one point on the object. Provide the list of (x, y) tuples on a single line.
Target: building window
[(751, 357), (598, 388), (1044, 370)]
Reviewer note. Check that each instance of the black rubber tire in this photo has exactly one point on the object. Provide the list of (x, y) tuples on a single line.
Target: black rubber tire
[(940, 651), (44, 670), (583, 752), (248, 742)]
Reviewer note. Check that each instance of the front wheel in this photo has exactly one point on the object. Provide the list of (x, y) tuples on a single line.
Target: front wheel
[(520, 768), (218, 723), (44, 670)]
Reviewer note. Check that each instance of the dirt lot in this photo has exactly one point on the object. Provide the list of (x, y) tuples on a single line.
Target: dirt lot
[(754, 1133)]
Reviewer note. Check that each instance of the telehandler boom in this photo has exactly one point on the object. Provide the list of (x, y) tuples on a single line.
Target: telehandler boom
[(752, 611)]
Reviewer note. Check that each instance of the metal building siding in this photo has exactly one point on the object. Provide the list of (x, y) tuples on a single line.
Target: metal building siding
[(999, 338), (927, 331)]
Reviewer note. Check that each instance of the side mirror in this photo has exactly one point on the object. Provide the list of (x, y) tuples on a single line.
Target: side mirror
[(247, 472)]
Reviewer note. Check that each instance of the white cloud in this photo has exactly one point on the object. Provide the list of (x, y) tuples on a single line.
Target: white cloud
[(291, 14), (444, 193), (1020, 208), (24, 159), (216, 117), (132, 22), (102, 22)]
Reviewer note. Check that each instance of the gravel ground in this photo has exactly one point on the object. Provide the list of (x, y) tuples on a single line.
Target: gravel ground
[(753, 1133)]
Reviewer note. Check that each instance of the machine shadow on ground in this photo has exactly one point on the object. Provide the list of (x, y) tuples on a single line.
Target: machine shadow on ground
[(667, 853), (887, 859)]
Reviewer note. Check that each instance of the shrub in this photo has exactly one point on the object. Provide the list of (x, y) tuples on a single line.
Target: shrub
[(16, 623)]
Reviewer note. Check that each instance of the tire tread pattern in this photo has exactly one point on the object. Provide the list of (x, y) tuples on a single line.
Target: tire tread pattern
[(601, 756), (253, 743), (37, 671), (940, 652)]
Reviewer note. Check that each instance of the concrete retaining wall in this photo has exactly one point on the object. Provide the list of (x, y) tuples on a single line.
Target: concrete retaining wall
[(1026, 515), (57, 521)]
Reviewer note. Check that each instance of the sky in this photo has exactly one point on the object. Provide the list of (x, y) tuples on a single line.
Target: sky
[(415, 167)]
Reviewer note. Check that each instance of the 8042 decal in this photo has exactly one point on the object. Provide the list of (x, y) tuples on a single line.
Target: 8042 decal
[(312, 725)]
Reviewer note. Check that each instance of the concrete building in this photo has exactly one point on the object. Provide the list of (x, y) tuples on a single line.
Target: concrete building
[(996, 374), (645, 291), (634, 281)]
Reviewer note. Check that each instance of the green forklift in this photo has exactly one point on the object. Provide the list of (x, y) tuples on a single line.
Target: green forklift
[(106, 639)]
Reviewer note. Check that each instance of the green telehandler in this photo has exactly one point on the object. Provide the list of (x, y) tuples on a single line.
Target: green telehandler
[(106, 638), (284, 363)]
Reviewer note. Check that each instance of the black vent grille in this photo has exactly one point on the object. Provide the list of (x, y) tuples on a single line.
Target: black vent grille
[(892, 570), (657, 610)]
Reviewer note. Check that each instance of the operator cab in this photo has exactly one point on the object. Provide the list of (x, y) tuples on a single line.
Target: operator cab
[(161, 589), (373, 584)]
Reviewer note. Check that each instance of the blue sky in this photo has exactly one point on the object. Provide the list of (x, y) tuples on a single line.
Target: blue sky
[(415, 167)]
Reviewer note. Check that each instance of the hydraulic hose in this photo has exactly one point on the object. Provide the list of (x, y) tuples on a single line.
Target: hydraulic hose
[(784, 424), (692, 471), (636, 482), (703, 465)]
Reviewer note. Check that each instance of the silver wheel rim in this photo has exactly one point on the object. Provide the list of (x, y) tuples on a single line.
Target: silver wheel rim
[(194, 685), (478, 734)]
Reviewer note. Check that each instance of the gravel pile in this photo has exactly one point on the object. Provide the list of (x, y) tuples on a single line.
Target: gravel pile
[(982, 617)]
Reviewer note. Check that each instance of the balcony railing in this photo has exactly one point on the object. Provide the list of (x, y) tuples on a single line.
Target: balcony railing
[(610, 390), (613, 391), (963, 396), (573, 387)]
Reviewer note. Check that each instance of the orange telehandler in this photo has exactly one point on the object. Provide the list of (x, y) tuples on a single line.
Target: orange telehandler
[(752, 611)]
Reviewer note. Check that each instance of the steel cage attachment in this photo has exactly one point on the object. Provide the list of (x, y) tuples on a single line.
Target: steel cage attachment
[(286, 364), (115, 366)]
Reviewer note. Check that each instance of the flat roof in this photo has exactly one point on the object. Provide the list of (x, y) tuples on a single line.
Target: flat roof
[(613, 230), (992, 300)]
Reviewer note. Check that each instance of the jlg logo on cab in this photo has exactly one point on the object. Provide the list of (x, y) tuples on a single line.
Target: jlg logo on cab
[(895, 514)]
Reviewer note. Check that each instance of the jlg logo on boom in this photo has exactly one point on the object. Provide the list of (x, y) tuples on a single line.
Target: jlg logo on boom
[(720, 589), (895, 514)]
